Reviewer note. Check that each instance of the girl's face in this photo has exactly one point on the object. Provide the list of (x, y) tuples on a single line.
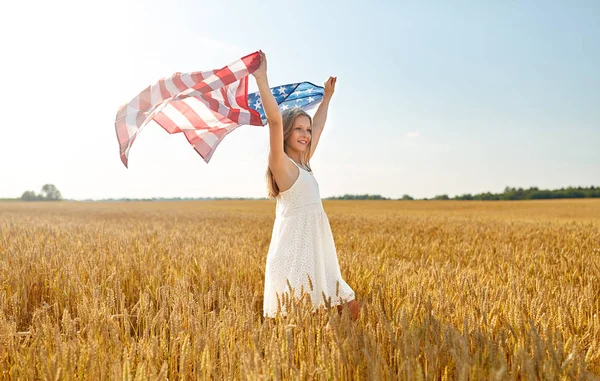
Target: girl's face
[(301, 133)]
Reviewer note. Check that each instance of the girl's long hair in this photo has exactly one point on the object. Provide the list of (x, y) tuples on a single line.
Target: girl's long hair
[(288, 117)]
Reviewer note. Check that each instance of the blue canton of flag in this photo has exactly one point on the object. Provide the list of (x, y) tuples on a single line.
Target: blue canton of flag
[(304, 95)]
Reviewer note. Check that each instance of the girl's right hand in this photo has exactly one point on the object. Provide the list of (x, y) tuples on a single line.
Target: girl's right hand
[(262, 68)]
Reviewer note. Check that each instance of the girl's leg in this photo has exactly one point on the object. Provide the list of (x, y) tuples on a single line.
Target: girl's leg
[(353, 306)]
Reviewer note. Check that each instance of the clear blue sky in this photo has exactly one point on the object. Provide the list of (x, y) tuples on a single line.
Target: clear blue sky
[(443, 97)]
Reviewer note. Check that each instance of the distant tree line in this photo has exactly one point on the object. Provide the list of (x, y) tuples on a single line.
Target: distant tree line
[(49, 193), (533, 193), (508, 194), (126, 199), (358, 197)]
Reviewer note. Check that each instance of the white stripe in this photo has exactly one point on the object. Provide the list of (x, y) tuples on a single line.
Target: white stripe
[(186, 92), (218, 96), (231, 90), (239, 69), (177, 117), (155, 96), (214, 82), (131, 124), (186, 78), (171, 88), (209, 138), (203, 134), (204, 112), (133, 107)]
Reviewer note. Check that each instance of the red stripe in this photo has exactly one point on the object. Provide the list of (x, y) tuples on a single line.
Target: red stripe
[(122, 113), (234, 114), (178, 82), (226, 76), (166, 123), (213, 106), (164, 93), (197, 77), (192, 137), (124, 159), (241, 94), (241, 97), (144, 98), (230, 116), (220, 132), (252, 61), (202, 88), (231, 119), (122, 134), (124, 155), (140, 118), (202, 148), (225, 97)]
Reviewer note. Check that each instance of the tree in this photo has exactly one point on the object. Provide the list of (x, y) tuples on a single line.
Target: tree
[(50, 192), (29, 196), (407, 197), (466, 196)]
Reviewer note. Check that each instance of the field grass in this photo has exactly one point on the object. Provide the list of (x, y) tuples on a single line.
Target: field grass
[(155, 290)]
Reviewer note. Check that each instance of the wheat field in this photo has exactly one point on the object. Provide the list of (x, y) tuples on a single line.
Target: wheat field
[(449, 290)]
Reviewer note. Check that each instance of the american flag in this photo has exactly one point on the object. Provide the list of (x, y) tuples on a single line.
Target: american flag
[(304, 95), (206, 106)]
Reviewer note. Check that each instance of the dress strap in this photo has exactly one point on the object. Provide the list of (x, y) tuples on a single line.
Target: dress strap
[(292, 160), (299, 167)]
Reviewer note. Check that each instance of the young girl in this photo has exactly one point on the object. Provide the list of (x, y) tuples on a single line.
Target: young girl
[(302, 245)]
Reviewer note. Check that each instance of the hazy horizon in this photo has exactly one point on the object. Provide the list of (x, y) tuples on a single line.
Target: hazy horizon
[(432, 99)]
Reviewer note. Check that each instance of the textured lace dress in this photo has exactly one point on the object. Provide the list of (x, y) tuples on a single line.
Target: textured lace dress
[(301, 246)]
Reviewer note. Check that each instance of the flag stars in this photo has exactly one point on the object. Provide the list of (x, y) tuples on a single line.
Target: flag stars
[(296, 95)]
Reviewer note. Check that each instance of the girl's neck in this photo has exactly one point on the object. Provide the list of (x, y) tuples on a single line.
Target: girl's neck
[(296, 156)]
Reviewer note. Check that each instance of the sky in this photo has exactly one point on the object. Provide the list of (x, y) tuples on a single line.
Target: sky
[(436, 97)]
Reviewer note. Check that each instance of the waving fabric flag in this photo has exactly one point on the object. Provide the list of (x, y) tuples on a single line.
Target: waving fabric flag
[(206, 106), (304, 95)]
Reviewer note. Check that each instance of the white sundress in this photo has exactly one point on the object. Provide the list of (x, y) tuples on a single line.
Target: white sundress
[(302, 245)]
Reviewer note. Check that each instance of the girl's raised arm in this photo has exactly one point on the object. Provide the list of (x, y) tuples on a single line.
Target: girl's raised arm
[(321, 114), (271, 110)]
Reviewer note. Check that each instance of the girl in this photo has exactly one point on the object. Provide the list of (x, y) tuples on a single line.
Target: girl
[(302, 251)]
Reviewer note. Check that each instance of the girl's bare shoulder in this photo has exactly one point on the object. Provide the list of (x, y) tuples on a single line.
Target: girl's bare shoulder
[(284, 172)]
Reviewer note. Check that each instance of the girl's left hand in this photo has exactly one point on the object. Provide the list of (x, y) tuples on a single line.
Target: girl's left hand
[(262, 68), (330, 86)]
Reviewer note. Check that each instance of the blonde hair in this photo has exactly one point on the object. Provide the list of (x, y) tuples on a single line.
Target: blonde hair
[(289, 117)]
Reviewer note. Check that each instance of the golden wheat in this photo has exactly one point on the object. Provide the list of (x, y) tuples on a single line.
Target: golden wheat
[(449, 290)]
